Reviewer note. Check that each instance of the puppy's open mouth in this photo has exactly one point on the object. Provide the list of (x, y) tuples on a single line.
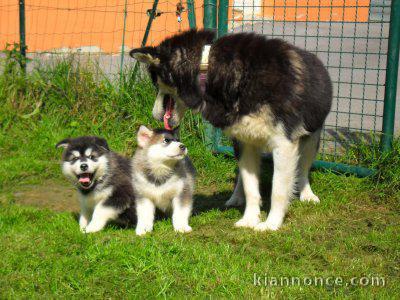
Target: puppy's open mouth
[(85, 180), (169, 104)]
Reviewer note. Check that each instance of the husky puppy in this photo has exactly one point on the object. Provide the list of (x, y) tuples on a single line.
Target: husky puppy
[(163, 177), (266, 94), (103, 181)]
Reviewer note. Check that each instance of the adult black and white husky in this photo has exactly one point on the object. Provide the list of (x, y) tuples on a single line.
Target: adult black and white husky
[(163, 177), (103, 181), (264, 93)]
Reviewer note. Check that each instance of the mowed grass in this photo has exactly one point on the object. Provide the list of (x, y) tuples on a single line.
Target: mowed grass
[(352, 233)]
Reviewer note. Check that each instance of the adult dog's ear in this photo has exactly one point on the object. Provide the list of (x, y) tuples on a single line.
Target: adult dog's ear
[(64, 143), (147, 55)]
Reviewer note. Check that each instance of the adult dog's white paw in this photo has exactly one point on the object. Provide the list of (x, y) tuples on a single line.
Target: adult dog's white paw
[(183, 228), (248, 222), (272, 223), (234, 202), (309, 196), (264, 226)]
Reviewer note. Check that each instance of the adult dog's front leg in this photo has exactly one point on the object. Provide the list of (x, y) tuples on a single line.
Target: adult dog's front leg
[(249, 166), (285, 156)]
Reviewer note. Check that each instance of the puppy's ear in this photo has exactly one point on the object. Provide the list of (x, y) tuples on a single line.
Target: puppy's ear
[(147, 55), (102, 143), (143, 136), (64, 143), (176, 132)]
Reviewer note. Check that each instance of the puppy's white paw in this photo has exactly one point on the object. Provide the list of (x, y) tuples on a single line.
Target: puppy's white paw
[(183, 228), (309, 196), (83, 229), (248, 222), (92, 228), (234, 202), (143, 230)]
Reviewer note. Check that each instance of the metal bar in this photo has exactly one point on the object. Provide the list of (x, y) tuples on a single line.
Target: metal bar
[(151, 18), (213, 135), (223, 17), (123, 40), (22, 34), (389, 106), (191, 14), (210, 22), (146, 34), (318, 164), (210, 14)]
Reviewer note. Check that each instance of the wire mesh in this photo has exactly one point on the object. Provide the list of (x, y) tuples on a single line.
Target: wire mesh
[(351, 39), (92, 30)]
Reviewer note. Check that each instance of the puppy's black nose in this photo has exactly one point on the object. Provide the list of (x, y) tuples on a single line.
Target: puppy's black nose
[(182, 147), (84, 167)]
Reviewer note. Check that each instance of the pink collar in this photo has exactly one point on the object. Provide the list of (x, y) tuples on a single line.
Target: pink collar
[(203, 81)]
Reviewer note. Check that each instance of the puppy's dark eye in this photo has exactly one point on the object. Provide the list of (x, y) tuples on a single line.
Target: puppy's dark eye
[(74, 158), (91, 157), (167, 141)]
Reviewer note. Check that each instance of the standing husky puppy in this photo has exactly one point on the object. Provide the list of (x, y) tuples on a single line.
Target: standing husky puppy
[(103, 180), (264, 93), (163, 177)]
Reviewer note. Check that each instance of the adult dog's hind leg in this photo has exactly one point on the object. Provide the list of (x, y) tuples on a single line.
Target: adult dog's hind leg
[(308, 149), (237, 198), (285, 155), (249, 166)]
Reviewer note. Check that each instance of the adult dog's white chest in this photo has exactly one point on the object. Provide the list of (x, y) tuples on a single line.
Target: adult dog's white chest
[(256, 128), (161, 195)]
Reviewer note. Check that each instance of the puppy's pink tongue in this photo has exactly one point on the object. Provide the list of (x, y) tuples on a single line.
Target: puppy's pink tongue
[(84, 179)]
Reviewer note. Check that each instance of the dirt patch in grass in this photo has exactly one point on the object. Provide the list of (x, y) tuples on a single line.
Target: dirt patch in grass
[(51, 195), (58, 196)]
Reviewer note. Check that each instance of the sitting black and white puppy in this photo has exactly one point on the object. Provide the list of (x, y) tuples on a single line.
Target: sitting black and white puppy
[(103, 180), (163, 177)]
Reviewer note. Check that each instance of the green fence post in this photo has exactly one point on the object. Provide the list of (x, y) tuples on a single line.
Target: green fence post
[(213, 135), (210, 14), (210, 22), (22, 41), (123, 40), (392, 65), (191, 14), (223, 17)]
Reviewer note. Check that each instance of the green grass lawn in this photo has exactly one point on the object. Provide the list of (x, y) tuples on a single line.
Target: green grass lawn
[(353, 234)]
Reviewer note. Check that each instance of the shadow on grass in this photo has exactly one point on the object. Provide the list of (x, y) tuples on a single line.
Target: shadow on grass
[(206, 202)]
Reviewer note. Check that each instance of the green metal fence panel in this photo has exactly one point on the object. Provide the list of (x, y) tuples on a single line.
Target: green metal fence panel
[(95, 32), (353, 42)]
